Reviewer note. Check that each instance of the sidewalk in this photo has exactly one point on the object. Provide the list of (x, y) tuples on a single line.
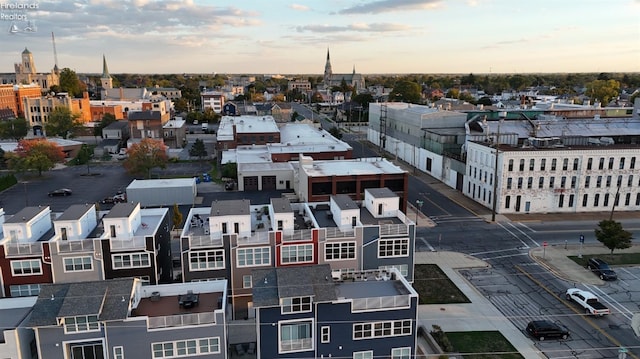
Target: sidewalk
[(479, 315)]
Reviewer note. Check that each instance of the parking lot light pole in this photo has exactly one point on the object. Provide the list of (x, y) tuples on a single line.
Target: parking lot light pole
[(419, 204)]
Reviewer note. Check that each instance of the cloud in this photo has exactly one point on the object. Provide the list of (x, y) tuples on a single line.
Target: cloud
[(381, 6), (299, 7), (358, 27)]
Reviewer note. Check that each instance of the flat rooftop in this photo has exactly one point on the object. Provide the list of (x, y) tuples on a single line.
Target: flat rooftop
[(359, 166), (371, 288), (169, 305), (163, 183)]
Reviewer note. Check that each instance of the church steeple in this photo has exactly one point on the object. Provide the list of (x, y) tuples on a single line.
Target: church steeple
[(105, 79), (327, 70)]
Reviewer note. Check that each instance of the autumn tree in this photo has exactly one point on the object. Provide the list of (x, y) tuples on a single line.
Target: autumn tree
[(612, 235), (36, 154), (177, 216), (14, 129), (62, 122), (144, 156), (603, 90)]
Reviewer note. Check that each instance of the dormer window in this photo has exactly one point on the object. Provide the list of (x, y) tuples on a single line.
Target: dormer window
[(295, 305), (81, 323)]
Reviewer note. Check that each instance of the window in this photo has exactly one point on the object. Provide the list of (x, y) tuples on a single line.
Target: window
[(295, 336), (510, 165), (24, 290), (554, 163), (26, 267), (632, 163), (429, 161), (630, 181), (606, 200), (587, 180), (188, 347), (519, 182), (325, 334), (621, 163), (247, 281), (297, 253), (78, 264), (393, 247), (610, 163), (599, 182), (565, 164), (638, 199), (204, 260), (561, 201), (529, 182), (543, 164), (507, 201), (509, 182), (575, 164), (601, 163), (341, 250), (391, 328), (619, 181), (563, 181), (585, 199), (589, 164), (363, 355), (259, 256), (118, 352), (551, 181), (627, 199), (540, 182), (81, 323), (596, 200), (571, 198), (134, 260), (84, 350), (608, 181), (574, 179), (521, 167), (295, 305), (401, 353), (532, 164)]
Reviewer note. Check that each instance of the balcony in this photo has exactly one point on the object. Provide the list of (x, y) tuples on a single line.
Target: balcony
[(181, 320), (302, 235), (333, 232), (204, 241), (394, 229), (135, 242), (377, 303), (12, 249), (85, 245)]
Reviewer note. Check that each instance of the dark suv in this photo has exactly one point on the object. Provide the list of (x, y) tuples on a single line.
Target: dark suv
[(602, 269), (542, 329)]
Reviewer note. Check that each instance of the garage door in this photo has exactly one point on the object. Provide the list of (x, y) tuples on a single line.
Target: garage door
[(268, 183), (251, 183)]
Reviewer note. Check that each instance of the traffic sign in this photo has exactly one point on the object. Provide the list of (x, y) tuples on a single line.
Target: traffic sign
[(581, 238), (544, 244)]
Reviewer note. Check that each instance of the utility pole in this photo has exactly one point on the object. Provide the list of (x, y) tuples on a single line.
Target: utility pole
[(419, 204), (502, 115), (615, 201)]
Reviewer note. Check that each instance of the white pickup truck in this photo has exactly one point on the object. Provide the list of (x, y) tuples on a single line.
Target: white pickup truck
[(588, 301)]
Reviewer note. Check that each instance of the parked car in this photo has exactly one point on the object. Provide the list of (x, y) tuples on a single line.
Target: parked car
[(543, 329), (588, 301), (229, 185), (113, 199), (120, 197), (601, 268), (60, 192)]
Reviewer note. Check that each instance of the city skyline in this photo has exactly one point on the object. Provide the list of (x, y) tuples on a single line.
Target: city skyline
[(285, 37)]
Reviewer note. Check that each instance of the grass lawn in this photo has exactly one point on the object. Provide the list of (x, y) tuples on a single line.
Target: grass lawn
[(491, 342), (612, 259), (434, 287)]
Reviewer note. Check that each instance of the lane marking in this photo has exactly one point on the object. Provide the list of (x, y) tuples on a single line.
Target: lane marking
[(427, 244), (498, 251), (524, 234), (527, 227), (514, 236), (610, 301), (505, 256)]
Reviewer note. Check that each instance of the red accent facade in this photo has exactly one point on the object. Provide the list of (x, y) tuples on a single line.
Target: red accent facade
[(8, 279)]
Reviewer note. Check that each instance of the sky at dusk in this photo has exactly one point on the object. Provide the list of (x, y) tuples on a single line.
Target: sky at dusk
[(292, 37)]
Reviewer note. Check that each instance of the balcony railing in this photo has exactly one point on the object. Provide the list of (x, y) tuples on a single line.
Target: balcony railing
[(85, 245), (136, 242), (296, 344), (21, 249), (377, 303), (337, 233), (181, 320), (204, 241), (393, 229), (298, 235)]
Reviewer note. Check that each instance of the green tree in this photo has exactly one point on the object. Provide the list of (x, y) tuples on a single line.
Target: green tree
[(335, 132), (612, 235), (35, 154), (14, 129), (84, 156), (230, 170), (603, 90), (62, 122), (198, 149), (210, 116), (406, 91), (144, 156), (3, 160), (177, 216), (107, 119), (70, 83)]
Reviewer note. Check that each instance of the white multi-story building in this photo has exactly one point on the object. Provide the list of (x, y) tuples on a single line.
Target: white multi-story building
[(554, 179)]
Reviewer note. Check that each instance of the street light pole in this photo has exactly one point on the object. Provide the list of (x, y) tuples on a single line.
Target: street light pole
[(419, 204), (495, 170)]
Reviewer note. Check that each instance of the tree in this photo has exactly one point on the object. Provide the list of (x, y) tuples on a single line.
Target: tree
[(107, 119), (36, 154), (14, 129), (70, 83), (62, 122), (84, 156), (144, 156), (335, 132), (611, 234), (230, 170), (177, 216), (406, 91), (198, 149), (603, 90)]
